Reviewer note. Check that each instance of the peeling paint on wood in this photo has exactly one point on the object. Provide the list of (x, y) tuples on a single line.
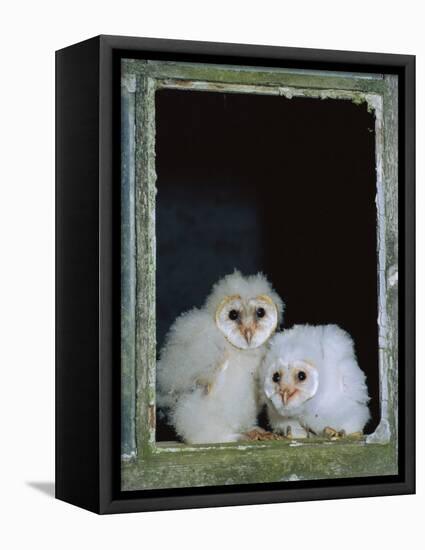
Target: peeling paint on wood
[(151, 417), (255, 75), (390, 174), (145, 261), (373, 100), (268, 463), (178, 465), (128, 268)]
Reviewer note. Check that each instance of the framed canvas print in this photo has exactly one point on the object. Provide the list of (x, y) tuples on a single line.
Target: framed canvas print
[(235, 274)]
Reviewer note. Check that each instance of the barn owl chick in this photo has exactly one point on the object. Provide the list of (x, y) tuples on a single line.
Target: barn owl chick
[(312, 382), (207, 372)]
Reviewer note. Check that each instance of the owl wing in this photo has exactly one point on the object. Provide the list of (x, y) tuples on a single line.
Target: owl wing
[(194, 347), (339, 349), (354, 383)]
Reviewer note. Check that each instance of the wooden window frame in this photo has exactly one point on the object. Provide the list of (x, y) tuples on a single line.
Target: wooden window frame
[(147, 464)]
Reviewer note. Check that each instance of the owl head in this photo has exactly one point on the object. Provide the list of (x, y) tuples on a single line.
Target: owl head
[(289, 385), (246, 310), (290, 377)]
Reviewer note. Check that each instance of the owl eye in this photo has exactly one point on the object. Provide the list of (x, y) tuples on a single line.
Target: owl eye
[(276, 377), (233, 314), (302, 376), (261, 312)]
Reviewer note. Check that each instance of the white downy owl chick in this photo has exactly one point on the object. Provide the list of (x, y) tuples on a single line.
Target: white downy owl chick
[(207, 375), (312, 381)]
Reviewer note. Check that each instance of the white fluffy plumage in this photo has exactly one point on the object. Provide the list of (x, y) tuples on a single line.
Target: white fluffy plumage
[(207, 375), (331, 392)]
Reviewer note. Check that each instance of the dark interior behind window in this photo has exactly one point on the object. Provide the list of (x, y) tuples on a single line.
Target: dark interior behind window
[(265, 183)]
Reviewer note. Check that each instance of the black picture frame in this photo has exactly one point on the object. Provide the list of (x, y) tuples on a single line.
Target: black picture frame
[(87, 273)]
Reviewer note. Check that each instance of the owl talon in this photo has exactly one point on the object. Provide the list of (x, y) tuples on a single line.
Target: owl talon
[(332, 434), (258, 434)]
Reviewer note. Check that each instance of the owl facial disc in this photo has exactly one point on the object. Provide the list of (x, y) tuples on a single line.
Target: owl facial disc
[(289, 385), (247, 323)]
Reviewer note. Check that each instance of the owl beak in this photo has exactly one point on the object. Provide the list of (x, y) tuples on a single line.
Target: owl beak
[(287, 393), (248, 334)]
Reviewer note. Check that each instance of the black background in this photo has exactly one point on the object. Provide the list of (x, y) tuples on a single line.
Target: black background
[(282, 186)]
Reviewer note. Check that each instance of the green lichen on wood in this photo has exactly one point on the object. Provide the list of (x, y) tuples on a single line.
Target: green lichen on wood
[(387, 240), (262, 463), (288, 92), (259, 76), (390, 167), (128, 268), (145, 261), (159, 466)]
